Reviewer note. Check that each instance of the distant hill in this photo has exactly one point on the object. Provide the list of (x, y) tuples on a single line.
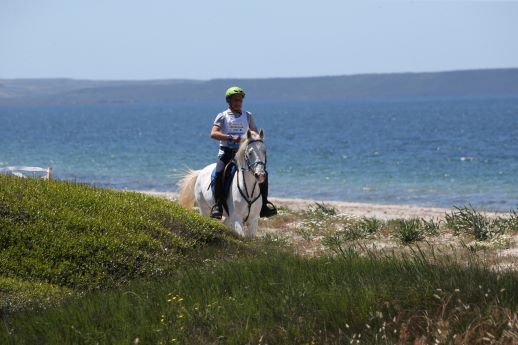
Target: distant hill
[(488, 82)]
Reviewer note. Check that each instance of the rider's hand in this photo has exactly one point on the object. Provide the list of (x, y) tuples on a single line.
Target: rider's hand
[(236, 138)]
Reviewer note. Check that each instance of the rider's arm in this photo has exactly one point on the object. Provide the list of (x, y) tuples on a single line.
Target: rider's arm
[(251, 122), (217, 134)]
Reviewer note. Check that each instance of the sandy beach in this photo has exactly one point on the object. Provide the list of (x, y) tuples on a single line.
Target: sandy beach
[(379, 211), (504, 257)]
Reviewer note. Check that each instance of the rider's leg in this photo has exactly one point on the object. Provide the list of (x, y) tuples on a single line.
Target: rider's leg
[(225, 155), (266, 210), (217, 209)]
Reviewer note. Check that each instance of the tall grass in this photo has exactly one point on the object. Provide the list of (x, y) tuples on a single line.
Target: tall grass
[(467, 220), (276, 298)]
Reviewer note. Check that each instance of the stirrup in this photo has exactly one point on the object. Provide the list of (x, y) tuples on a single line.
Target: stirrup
[(268, 210), (216, 212)]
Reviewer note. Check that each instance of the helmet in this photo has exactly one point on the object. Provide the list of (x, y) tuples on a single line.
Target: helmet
[(234, 90)]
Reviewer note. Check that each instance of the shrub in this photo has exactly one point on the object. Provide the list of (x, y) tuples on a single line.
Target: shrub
[(430, 227), (320, 211), (408, 230), (469, 221), (80, 237)]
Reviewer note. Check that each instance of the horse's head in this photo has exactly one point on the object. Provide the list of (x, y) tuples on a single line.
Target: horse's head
[(252, 154)]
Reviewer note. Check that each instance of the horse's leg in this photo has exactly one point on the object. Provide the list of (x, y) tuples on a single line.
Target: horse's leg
[(252, 228), (236, 225), (204, 207)]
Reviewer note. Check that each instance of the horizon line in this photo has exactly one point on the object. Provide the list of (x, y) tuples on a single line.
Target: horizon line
[(261, 78)]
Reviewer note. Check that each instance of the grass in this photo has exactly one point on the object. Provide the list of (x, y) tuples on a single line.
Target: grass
[(408, 230), (278, 298), (324, 220), (127, 268), (65, 236), (469, 221)]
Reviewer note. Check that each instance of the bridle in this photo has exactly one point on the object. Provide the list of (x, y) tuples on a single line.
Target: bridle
[(250, 167)]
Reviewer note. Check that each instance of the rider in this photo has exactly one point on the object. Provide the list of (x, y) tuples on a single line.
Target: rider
[(228, 128)]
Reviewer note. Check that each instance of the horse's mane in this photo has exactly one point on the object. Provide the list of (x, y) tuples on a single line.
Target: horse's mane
[(240, 155)]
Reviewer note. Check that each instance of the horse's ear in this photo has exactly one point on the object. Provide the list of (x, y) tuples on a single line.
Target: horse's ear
[(261, 134), (248, 134)]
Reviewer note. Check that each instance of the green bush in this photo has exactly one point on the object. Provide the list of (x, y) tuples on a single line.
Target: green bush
[(80, 237), (408, 230)]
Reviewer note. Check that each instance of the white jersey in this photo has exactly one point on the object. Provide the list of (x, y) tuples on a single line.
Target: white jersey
[(233, 124)]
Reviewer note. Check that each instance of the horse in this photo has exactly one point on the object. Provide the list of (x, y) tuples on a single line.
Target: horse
[(244, 198)]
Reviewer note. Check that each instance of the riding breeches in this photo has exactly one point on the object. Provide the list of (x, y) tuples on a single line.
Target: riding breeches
[(225, 155)]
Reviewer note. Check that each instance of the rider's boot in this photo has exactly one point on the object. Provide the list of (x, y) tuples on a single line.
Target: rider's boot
[(217, 209), (268, 209)]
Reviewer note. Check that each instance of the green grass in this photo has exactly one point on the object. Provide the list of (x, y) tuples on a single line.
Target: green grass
[(280, 298), (467, 220), (69, 236), (408, 230)]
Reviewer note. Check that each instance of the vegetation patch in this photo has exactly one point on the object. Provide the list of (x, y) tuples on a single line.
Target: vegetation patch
[(17, 294), (271, 297), (469, 221), (68, 236)]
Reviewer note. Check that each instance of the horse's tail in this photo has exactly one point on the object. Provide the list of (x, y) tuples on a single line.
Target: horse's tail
[(186, 197)]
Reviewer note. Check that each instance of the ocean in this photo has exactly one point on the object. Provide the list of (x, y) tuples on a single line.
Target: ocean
[(440, 152)]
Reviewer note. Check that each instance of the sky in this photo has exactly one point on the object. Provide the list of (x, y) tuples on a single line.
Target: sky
[(167, 39)]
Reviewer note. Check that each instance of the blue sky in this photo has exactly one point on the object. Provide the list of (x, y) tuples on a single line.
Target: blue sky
[(162, 39)]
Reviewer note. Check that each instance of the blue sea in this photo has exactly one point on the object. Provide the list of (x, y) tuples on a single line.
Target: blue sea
[(429, 152)]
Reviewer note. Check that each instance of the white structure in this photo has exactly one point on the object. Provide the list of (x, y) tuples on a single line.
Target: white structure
[(17, 171)]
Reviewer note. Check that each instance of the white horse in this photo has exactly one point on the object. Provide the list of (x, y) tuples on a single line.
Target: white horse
[(244, 199)]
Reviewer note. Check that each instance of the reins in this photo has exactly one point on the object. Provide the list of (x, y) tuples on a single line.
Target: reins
[(247, 197)]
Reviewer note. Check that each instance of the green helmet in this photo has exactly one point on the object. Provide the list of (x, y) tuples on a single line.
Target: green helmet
[(234, 90)]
